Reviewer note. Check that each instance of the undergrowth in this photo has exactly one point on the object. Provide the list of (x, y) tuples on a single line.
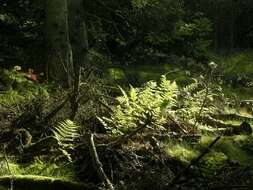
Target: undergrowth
[(19, 89), (38, 168)]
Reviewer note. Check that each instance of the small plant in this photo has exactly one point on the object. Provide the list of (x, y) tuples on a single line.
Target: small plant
[(198, 99), (39, 168), (140, 104), (65, 134), (160, 101), (18, 88)]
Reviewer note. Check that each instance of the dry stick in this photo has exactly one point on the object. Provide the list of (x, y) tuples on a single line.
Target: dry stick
[(193, 162), (56, 110), (97, 164), (106, 106), (125, 138), (177, 124), (59, 107)]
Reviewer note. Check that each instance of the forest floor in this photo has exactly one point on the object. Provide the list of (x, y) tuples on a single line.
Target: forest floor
[(229, 163), (149, 160)]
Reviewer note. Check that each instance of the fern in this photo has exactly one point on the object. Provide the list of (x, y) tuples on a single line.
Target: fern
[(140, 104), (160, 100), (66, 132)]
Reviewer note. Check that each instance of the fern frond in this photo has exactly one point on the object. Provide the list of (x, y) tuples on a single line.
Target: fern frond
[(65, 133), (133, 94)]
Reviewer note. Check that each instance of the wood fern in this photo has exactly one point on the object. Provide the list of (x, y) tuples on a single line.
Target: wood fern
[(66, 132)]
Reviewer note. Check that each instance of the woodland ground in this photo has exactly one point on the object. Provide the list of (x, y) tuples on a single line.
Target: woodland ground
[(226, 165)]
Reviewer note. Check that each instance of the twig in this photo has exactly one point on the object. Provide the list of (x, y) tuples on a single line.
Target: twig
[(177, 124), (97, 164), (56, 110), (126, 137), (106, 106), (193, 162)]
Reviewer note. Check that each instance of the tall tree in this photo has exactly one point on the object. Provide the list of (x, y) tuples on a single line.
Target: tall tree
[(79, 43), (59, 62)]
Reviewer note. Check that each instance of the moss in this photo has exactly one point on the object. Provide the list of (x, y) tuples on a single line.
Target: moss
[(14, 168), (183, 152), (116, 73), (31, 182), (232, 147), (139, 74), (39, 168), (240, 62), (214, 161)]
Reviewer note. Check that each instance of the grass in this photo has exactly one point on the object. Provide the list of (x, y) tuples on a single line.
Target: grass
[(139, 74), (236, 148), (65, 172), (233, 147), (182, 151), (236, 65)]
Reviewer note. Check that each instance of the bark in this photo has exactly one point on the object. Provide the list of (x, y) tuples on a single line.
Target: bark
[(78, 34), (79, 43), (59, 56)]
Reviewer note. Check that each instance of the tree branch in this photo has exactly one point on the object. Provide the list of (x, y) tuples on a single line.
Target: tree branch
[(97, 164)]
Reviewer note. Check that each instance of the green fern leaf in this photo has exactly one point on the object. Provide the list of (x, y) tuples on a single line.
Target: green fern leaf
[(65, 133), (133, 94)]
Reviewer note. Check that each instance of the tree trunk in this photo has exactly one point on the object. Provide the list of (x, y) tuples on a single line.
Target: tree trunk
[(59, 56), (79, 43), (78, 34), (232, 25)]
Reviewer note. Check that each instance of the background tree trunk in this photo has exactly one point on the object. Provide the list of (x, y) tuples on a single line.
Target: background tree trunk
[(78, 33), (79, 43), (59, 60)]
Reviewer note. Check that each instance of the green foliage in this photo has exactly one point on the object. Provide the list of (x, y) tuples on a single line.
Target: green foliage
[(197, 99), (19, 89), (144, 3), (159, 100), (182, 151), (137, 106), (197, 35), (66, 133), (39, 168)]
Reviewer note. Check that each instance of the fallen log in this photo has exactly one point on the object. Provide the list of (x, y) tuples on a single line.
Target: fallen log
[(233, 116), (31, 182), (226, 129)]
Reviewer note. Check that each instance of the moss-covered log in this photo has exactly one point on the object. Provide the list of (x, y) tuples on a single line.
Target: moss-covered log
[(233, 116), (30, 182), (226, 129)]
